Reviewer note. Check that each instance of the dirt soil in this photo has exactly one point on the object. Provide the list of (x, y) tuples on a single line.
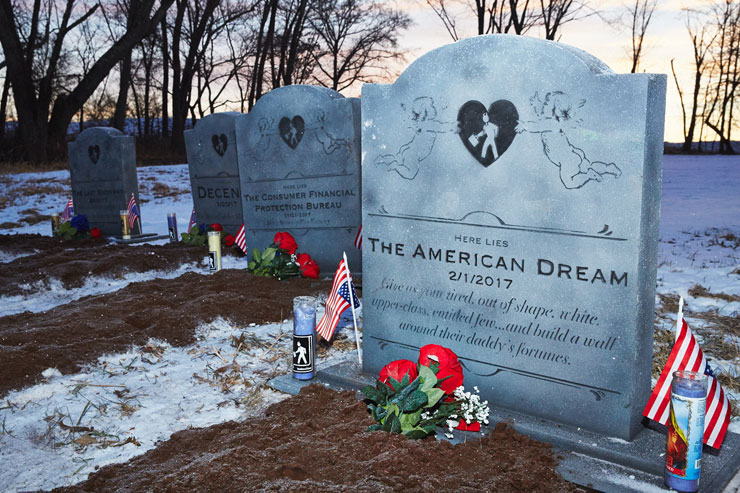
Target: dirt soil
[(317, 441), (71, 262), (71, 335), (312, 442)]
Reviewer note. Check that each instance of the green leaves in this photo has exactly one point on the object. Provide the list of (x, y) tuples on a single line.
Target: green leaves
[(273, 262)]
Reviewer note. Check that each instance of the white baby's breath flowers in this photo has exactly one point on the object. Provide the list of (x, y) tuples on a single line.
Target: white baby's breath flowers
[(471, 407)]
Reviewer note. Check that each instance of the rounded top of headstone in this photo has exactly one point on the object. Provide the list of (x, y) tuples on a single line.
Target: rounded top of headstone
[(226, 116), (101, 132), (505, 52), (300, 92)]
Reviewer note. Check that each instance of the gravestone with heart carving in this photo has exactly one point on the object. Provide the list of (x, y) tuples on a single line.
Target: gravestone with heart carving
[(299, 166), (510, 209), (214, 174), (102, 164)]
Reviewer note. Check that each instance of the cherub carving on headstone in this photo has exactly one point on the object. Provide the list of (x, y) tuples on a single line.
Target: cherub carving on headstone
[(266, 128), (327, 140), (556, 116), (426, 127)]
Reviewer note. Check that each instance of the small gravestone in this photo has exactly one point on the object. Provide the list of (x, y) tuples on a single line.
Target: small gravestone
[(214, 174), (102, 164), (299, 166), (510, 210)]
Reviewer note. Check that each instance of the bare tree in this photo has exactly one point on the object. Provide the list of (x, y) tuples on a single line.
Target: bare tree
[(45, 109), (639, 14), (359, 39), (511, 16), (702, 42)]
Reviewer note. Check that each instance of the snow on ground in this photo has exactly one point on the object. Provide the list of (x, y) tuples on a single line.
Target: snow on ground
[(56, 294), (66, 428), (148, 393)]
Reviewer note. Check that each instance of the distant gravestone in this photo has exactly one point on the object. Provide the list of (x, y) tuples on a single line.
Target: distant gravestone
[(102, 164), (299, 166), (510, 210), (214, 173)]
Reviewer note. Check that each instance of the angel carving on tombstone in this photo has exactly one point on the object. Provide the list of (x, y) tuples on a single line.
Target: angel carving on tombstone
[(555, 118), (328, 141), (426, 127)]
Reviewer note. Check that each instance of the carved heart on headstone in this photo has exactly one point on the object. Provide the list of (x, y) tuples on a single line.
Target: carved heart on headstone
[(94, 153), (220, 143), (291, 131), (487, 133)]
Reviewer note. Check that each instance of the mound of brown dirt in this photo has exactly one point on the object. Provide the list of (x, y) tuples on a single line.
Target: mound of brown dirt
[(317, 441), (71, 335), (71, 262)]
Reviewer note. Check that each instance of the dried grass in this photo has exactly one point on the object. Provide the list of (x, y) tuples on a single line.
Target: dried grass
[(698, 291)]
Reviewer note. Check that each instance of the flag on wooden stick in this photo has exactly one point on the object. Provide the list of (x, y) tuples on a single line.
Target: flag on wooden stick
[(339, 300), (68, 211), (241, 239), (686, 355), (133, 212), (192, 221), (358, 239)]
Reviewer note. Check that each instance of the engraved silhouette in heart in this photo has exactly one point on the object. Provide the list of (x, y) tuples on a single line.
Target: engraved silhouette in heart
[(220, 143), (487, 133), (291, 131), (94, 153)]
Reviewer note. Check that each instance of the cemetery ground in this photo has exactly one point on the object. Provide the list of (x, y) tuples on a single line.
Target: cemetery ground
[(134, 357)]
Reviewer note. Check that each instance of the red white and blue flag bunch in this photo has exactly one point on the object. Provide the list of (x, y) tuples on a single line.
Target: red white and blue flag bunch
[(68, 211), (240, 239), (133, 212), (686, 355), (338, 301)]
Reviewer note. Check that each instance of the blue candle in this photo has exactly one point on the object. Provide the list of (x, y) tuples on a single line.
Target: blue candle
[(304, 338), (172, 226), (685, 430)]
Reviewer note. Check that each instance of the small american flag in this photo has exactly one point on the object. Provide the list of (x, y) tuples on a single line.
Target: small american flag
[(192, 221), (68, 211), (133, 212), (358, 239), (241, 239), (687, 355), (337, 302)]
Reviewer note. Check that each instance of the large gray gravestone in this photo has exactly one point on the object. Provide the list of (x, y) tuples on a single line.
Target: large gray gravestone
[(102, 165), (214, 173), (510, 210), (299, 166)]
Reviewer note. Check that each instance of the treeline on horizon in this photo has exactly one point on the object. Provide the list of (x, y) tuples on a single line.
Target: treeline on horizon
[(147, 61)]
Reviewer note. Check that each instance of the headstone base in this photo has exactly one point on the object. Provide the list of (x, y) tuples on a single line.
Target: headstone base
[(588, 459), (140, 238)]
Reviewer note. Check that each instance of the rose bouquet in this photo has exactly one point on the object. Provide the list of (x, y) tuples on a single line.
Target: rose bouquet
[(77, 228), (198, 234), (280, 260), (414, 399)]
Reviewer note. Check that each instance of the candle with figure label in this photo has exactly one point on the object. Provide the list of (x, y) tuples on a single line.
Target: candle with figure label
[(125, 228), (214, 251), (172, 226), (685, 430), (55, 222), (304, 338)]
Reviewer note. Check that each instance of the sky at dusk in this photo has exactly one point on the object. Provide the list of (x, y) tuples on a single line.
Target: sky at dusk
[(600, 35)]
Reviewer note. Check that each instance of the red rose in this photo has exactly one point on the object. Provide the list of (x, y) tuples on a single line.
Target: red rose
[(96, 233), (229, 240), (449, 366), (473, 426), (310, 269), (217, 227), (285, 242), (397, 370)]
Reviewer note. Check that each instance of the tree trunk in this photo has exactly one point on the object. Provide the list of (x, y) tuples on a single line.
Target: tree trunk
[(119, 116), (4, 106), (165, 126)]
